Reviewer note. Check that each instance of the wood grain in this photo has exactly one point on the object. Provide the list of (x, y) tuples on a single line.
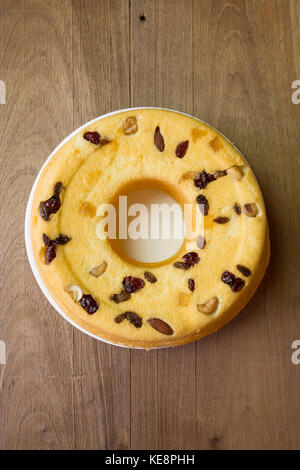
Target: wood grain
[(231, 63)]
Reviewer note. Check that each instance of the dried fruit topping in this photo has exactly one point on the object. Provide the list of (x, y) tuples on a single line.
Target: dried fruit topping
[(203, 179), (47, 241), (58, 187), (93, 137), (201, 242), (197, 133), (159, 140), (209, 307), (182, 265), (150, 277), (228, 278), (61, 240), (75, 292), (122, 297), (184, 299), (238, 284), (105, 141), (132, 284), (160, 326), (120, 318), (181, 149), (191, 284), (130, 125), (216, 144), (134, 318), (221, 220), (202, 204), (87, 209), (237, 208), (189, 175), (89, 304), (250, 209), (52, 205), (245, 271), (220, 173), (235, 172), (50, 253), (99, 270), (191, 258)]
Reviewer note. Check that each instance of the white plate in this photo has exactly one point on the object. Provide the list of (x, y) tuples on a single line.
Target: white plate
[(28, 214)]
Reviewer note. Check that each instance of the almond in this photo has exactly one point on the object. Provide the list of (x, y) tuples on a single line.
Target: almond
[(160, 326), (250, 209), (130, 125), (208, 307), (235, 172)]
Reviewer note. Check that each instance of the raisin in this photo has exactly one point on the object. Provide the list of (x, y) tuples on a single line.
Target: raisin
[(47, 240), (89, 304), (202, 204), (203, 179), (238, 284), (245, 271), (159, 140), (201, 242), (61, 239), (132, 284), (191, 258), (120, 318), (122, 297), (191, 284), (58, 187), (150, 277), (134, 319), (221, 220), (50, 253), (237, 208), (181, 265), (181, 149), (93, 137), (228, 278)]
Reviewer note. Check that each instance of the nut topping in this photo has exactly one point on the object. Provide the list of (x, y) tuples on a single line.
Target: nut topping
[(75, 292), (237, 208), (220, 173), (159, 140), (130, 125), (235, 172), (209, 307), (160, 326), (250, 209), (99, 270)]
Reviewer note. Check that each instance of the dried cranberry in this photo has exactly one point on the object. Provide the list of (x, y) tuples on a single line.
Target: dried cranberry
[(182, 265), (181, 149), (47, 240), (93, 137), (203, 204), (221, 220), (191, 258), (50, 253), (245, 271), (203, 179), (132, 284), (228, 278), (122, 297), (89, 304), (159, 140), (238, 284), (191, 284), (134, 319), (61, 239), (58, 187)]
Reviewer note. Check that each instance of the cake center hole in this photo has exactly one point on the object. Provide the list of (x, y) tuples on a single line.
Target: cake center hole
[(150, 227)]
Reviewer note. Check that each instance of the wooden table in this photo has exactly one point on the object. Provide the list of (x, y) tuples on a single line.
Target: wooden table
[(231, 63)]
